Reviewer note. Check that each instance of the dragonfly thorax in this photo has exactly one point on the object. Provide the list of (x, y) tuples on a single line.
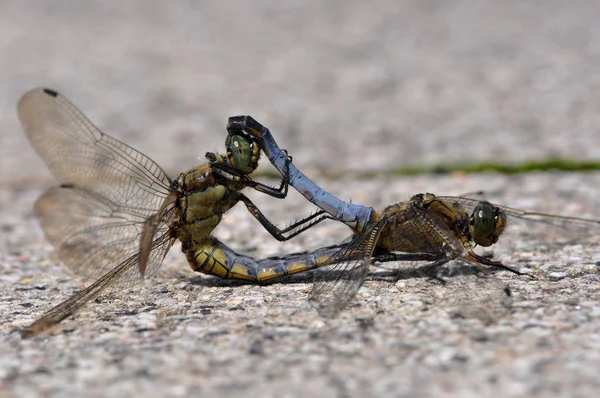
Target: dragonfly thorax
[(452, 214), (201, 201)]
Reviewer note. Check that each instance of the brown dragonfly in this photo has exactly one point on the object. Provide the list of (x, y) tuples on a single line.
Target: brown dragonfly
[(437, 229), (116, 213)]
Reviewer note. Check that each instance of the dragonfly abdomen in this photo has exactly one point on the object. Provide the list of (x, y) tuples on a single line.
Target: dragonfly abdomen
[(214, 258)]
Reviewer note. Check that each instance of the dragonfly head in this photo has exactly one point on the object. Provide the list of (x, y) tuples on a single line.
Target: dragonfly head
[(243, 152), (486, 224)]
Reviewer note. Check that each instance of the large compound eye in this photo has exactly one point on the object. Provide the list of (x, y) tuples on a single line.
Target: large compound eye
[(242, 153), (486, 224)]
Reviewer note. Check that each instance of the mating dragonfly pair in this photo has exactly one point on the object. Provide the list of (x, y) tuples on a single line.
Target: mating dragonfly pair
[(116, 213)]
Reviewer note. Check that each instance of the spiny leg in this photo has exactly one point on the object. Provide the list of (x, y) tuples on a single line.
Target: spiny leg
[(355, 216), (290, 231), (479, 261), (388, 257), (429, 270), (280, 192), (229, 172)]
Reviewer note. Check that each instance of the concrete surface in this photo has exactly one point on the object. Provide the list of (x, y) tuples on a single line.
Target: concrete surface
[(344, 86)]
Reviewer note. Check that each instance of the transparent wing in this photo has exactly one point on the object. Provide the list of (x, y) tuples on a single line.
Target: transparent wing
[(416, 230), (91, 238), (344, 272), (120, 272), (536, 226), (79, 154), (411, 231), (111, 196)]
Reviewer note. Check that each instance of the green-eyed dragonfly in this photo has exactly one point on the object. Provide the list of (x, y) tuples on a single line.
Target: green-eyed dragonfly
[(430, 228), (116, 213)]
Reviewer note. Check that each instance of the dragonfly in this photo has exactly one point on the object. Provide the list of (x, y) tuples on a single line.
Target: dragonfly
[(116, 212), (436, 229)]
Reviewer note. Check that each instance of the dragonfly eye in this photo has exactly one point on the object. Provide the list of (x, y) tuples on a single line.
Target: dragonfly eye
[(243, 153), (486, 224)]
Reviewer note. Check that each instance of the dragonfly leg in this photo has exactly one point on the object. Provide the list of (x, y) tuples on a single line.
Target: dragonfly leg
[(215, 258), (388, 257), (354, 215), (475, 259), (228, 172), (289, 232), (280, 192), (429, 269), (479, 261)]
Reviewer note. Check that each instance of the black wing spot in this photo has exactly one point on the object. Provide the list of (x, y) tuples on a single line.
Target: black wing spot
[(51, 92)]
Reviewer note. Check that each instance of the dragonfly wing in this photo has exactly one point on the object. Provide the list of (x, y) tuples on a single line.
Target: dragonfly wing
[(109, 191), (416, 230), (539, 227), (91, 239), (329, 297), (344, 272), (80, 155), (107, 281)]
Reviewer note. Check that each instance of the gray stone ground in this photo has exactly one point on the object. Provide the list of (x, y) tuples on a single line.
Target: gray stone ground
[(345, 86)]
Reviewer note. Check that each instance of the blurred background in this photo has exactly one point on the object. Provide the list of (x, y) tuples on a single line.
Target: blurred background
[(346, 86)]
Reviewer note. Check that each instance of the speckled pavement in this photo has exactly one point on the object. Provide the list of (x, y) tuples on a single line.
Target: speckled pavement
[(344, 86)]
